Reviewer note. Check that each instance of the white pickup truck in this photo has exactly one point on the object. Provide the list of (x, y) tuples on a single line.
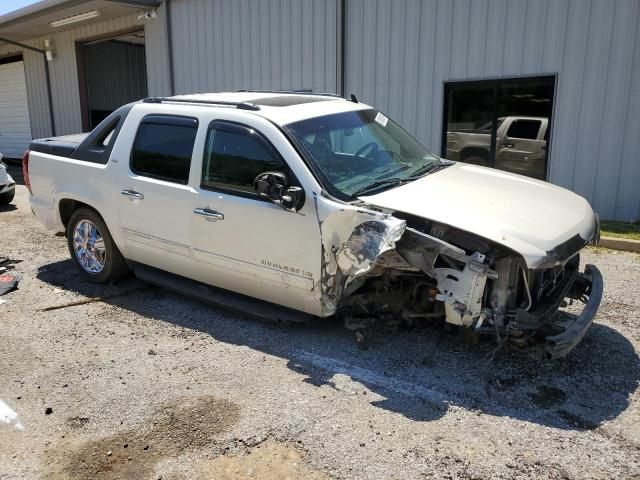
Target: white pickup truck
[(521, 145), (295, 206)]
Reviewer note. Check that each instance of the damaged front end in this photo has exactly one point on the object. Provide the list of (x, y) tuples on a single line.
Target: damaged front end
[(384, 269)]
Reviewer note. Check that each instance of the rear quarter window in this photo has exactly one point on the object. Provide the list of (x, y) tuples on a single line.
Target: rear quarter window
[(527, 129), (163, 147)]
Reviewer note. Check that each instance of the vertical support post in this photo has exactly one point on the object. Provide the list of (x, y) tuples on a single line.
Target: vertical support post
[(172, 86), (47, 77), (494, 125), (341, 32)]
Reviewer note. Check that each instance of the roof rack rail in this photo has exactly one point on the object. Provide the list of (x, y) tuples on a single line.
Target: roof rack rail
[(293, 92), (238, 105)]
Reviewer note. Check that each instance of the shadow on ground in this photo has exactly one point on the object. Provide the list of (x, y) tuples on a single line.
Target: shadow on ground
[(10, 207), (419, 373)]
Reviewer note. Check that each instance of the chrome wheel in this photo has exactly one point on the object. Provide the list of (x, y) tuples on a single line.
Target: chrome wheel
[(89, 247)]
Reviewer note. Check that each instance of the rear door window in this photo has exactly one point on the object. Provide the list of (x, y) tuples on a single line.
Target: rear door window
[(163, 147), (234, 155), (527, 129)]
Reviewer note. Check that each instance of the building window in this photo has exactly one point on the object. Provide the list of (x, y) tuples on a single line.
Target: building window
[(235, 155), (502, 123), (163, 147)]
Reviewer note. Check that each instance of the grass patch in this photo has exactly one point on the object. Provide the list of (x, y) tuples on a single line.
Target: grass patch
[(620, 230)]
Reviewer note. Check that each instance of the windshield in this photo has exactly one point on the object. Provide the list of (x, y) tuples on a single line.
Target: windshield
[(361, 152)]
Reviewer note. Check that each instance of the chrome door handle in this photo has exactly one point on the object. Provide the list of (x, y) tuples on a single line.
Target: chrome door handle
[(209, 214), (132, 194)]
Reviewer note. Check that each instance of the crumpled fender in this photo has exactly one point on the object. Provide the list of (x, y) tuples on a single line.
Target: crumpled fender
[(370, 239), (353, 238)]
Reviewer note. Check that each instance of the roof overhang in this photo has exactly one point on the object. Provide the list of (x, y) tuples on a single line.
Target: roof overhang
[(35, 20)]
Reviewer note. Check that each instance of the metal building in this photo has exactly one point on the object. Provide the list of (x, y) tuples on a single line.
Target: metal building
[(547, 88)]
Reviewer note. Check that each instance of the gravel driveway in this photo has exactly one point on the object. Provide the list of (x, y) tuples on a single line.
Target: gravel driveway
[(147, 384)]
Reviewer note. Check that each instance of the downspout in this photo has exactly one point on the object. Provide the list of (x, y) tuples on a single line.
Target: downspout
[(46, 74), (341, 45), (167, 6)]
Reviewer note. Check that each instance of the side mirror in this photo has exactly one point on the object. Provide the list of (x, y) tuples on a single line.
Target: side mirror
[(275, 186)]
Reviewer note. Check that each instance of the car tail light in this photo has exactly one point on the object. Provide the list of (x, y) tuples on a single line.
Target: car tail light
[(25, 170)]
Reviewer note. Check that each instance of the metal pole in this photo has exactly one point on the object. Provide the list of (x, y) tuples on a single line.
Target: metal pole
[(341, 46), (49, 96), (167, 6), (46, 74)]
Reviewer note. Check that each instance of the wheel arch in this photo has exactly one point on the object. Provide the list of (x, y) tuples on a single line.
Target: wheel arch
[(68, 205), (474, 152), (114, 264)]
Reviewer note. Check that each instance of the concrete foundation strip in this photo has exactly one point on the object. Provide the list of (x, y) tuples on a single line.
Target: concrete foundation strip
[(623, 244)]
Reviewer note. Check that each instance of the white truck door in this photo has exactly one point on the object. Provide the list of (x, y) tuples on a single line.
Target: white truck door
[(155, 195), (242, 241)]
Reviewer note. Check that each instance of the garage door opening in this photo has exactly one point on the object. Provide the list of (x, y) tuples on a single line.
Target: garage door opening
[(15, 123), (112, 71)]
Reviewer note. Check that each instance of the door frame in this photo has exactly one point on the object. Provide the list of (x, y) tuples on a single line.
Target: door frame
[(81, 68), (495, 83)]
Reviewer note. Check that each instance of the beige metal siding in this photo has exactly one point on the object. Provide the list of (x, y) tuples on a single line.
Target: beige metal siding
[(155, 31), (400, 53), (267, 44), (64, 75)]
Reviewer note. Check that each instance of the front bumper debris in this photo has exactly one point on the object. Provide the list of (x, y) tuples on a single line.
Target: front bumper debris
[(7, 188), (7, 184), (561, 344)]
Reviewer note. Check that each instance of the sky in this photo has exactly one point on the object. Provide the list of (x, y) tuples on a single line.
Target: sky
[(7, 6)]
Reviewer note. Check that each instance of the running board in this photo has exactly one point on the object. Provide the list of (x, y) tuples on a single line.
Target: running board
[(219, 297)]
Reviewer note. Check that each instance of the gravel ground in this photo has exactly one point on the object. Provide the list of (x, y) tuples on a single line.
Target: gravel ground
[(147, 384)]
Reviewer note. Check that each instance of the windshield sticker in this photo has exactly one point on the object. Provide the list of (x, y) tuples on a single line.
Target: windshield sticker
[(381, 119)]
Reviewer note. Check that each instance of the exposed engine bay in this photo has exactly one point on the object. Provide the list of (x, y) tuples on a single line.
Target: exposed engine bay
[(405, 269)]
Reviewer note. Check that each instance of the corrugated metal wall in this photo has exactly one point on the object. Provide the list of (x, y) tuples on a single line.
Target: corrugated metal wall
[(267, 44), (400, 53)]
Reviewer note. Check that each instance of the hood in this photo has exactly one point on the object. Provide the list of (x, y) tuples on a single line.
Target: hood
[(528, 216)]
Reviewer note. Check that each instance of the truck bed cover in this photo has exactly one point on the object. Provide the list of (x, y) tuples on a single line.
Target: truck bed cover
[(62, 146)]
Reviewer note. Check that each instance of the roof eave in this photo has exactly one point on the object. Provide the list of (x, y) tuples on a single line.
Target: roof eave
[(50, 6)]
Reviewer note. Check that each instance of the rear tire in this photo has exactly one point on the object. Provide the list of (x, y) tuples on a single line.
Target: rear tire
[(7, 197), (92, 248)]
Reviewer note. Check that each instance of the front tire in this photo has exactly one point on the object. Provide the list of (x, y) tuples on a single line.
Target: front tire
[(92, 248), (7, 197)]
